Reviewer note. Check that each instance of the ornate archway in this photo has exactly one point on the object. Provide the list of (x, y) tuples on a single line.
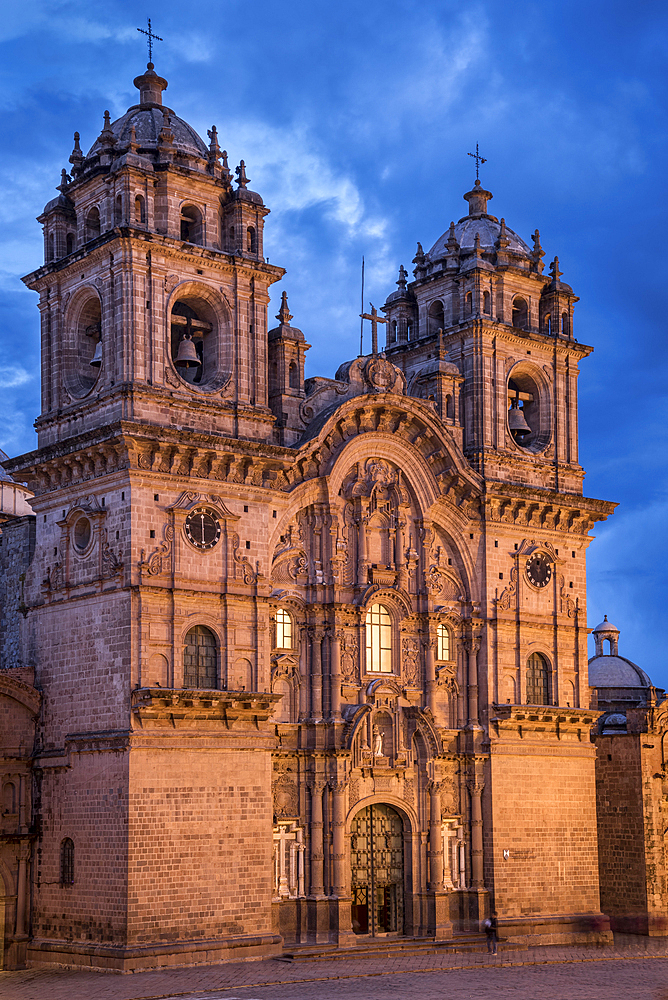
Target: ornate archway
[(377, 871)]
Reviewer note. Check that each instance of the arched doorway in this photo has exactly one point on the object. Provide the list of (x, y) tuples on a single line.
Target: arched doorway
[(377, 870)]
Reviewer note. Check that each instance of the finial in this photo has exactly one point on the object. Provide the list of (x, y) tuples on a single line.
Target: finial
[(242, 180), (133, 144), (419, 261), (214, 148), (554, 269), (452, 242), (107, 137), (441, 346), (65, 180), (403, 274), (76, 157), (476, 244), (538, 252), (284, 314), (605, 618)]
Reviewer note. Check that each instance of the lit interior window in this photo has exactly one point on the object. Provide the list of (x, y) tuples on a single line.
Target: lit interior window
[(378, 640), (283, 630), (443, 643)]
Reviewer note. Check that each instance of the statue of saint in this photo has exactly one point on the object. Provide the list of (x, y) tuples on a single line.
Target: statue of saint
[(377, 742)]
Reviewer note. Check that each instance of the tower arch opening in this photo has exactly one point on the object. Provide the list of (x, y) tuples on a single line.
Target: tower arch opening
[(197, 341), (191, 225), (528, 413), (436, 317), (83, 352), (520, 313)]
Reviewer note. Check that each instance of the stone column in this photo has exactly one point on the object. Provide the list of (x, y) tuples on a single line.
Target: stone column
[(472, 646), (362, 563), (477, 874), (317, 887), (338, 840), (430, 670), (335, 638), (435, 838), (24, 854), (316, 673)]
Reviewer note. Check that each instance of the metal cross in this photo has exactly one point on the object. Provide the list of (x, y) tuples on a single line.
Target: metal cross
[(478, 160), (151, 36)]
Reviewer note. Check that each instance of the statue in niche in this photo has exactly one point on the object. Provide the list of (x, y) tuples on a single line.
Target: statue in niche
[(377, 742)]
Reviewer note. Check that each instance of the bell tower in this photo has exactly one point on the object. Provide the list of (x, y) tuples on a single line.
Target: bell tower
[(154, 289), (508, 329)]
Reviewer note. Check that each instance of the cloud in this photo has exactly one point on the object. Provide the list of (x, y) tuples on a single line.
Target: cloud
[(12, 376)]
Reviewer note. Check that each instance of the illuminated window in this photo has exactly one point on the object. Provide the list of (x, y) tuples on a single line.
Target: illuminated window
[(378, 640), (443, 650), (283, 630)]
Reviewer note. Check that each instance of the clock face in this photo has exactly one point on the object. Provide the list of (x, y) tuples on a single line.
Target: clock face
[(202, 528), (539, 569)]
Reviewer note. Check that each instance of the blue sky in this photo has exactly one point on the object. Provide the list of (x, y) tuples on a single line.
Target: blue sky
[(354, 121)]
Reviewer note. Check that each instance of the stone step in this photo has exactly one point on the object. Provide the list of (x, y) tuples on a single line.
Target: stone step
[(379, 947)]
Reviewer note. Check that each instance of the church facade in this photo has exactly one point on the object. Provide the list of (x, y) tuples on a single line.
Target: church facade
[(297, 661)]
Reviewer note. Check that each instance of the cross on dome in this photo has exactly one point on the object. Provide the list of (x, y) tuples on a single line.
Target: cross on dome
[(478, 160), (151, 37)]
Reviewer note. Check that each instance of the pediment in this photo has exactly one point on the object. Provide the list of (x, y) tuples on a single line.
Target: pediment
[(189, 499)]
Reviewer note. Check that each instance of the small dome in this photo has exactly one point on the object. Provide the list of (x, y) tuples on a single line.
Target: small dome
[(148, 120), (605, 626), (616, 672)]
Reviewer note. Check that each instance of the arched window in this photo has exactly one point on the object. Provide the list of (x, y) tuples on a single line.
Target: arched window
[(140, 210), (469, 303), (378, 640), (69, 243), (487, 303), (67, 862), (393, 332), (435, 317), (520, 313), (565, 326), (191, 224), (93, 224), (294, 375), (538, 680), (251, 240), (200, 659), (547, 325), (443, 643), (283, 629)]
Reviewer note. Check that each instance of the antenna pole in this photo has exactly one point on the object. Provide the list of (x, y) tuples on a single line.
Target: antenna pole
[(361, 318)]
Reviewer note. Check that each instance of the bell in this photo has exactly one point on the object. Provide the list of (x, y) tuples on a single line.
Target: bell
[(516, 420), (96, 360), (187, 354)]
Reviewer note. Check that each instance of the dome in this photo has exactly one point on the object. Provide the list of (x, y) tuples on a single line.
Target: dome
[(488, 229), (148, 120), (616, 672)]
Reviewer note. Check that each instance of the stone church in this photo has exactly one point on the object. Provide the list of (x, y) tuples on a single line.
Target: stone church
[(289, 661)]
